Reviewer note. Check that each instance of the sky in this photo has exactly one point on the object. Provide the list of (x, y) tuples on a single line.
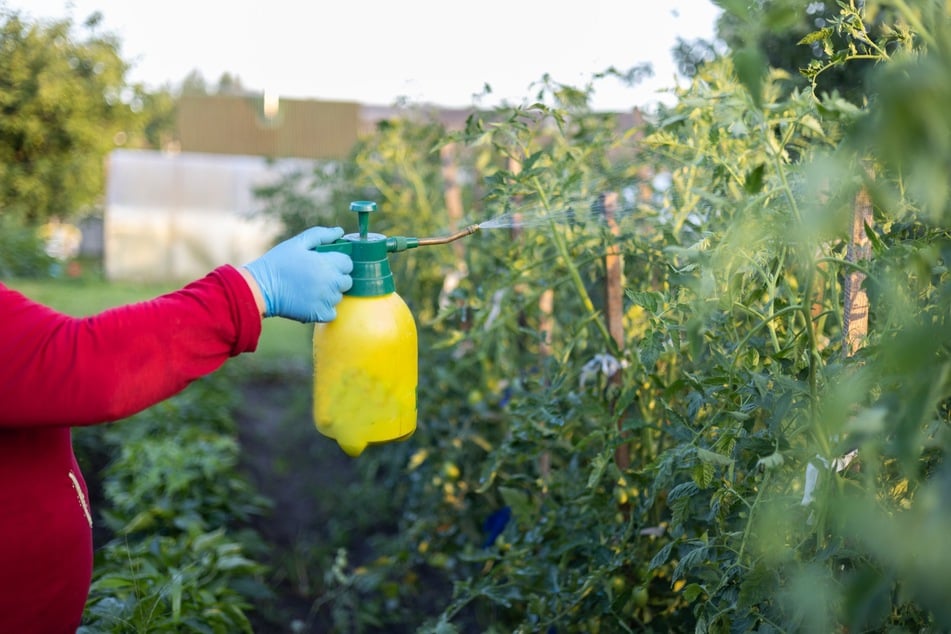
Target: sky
[(377, 52)]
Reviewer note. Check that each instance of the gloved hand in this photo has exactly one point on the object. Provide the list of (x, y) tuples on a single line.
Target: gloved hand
[(300, 283)]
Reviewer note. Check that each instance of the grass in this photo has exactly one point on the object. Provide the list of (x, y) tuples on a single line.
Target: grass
[(282, 340)]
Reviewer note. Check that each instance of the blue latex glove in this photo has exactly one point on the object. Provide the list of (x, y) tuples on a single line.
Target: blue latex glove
[(299, 283)]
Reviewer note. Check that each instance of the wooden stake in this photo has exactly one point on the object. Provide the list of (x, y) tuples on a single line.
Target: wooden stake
[(453, 198), (855, 301)]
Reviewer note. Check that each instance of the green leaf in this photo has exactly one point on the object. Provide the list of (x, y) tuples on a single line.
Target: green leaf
[(444, 626), (233, 562), (651, 301), (836, 106), (816, 36), (705, 455), (703, 474), (690, 560), (598, 465), (750, 65), (692, 592), (682, 490), (530, 161), (878, 246), (489, 473), (753, 182), (176, 596), (142, 521), (661, 557), (518, 501), (811, 123), (113, 582), (207, 540), (781, 16), (771, 461), (502, 595)]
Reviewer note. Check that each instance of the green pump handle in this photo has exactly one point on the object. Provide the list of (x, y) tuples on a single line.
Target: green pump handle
[(371, 269)]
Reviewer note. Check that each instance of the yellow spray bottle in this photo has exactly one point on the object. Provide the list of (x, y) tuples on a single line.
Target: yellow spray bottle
[(365, 360)]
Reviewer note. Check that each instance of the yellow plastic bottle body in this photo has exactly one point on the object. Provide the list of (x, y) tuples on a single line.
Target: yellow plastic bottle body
[(365, 372)]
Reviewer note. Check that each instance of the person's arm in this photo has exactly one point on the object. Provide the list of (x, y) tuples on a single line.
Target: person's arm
[(62, 370)]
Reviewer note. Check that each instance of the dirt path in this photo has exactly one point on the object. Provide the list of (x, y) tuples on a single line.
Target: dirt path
[(299, 470)]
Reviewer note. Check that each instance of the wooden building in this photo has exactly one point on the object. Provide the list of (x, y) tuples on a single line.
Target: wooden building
[(254, 125)]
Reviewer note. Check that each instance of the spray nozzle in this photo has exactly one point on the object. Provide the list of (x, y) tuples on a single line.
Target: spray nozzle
[(371, 271)]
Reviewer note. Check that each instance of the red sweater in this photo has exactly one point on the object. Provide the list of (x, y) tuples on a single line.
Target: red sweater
[(58, 371)]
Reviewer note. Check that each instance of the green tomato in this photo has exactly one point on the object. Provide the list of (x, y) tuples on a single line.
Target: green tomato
[(640, 595)]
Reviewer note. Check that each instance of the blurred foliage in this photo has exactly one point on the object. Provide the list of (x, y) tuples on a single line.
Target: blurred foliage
[(66, 104), (777, 481), (786, 33), (21, 251), (179, 555)]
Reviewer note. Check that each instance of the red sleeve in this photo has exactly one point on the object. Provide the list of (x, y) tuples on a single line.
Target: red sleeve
[(62, 370)]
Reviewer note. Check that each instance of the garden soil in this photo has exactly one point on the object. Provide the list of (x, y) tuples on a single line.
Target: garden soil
[(312, 485), (288, 462)]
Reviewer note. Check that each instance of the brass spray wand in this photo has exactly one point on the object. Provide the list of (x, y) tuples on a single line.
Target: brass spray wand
[(468, 231)]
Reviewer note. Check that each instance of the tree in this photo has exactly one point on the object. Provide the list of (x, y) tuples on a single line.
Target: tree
[(65, 104), (157, 110), (778, 29), (194, 84), (229, 84)]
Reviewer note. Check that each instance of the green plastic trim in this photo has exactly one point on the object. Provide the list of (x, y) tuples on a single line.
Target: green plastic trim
[(396, 244), (371, 274)]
